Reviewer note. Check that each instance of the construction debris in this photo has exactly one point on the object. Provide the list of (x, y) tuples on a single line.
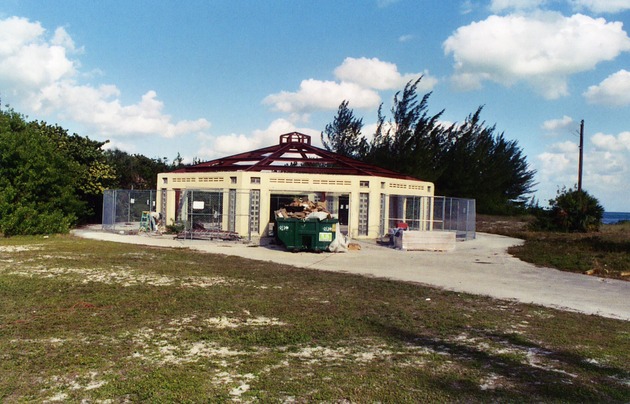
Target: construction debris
[(208, 235), (354, 246), (303, 209), (199, 232), (340, 243)]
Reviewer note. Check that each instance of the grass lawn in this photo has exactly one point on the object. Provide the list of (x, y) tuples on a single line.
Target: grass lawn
[(605, 253), (95, 321)]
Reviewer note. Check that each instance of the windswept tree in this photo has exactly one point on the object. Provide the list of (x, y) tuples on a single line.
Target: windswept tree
[(463, 160), (485, 166), (413, 141), (343, 134)]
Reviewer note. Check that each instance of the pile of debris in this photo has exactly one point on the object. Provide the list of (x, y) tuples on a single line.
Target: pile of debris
[(208, 235), (199, 232), (303, 209)]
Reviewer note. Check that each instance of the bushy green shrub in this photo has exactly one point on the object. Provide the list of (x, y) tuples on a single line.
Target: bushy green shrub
[(48, 178), (571, 211), (26, 220)]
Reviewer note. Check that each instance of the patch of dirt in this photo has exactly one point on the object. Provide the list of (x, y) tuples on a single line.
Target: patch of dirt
[(19, 248), (59, 384), (503, 225), (227, 322), (121, 276)]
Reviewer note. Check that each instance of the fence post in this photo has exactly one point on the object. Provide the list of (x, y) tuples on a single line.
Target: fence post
[(115, 208), (191, 212)]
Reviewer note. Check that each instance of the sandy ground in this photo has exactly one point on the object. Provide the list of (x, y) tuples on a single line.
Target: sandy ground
[(481, 266)]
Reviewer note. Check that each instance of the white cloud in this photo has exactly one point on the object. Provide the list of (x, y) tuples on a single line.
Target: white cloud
[(379, 75), (63, 39), (610, 142), (606, 168), (558, 125), (605, 174), (553, 163), (369, 130), (542, 49), (497, 6), (613, 91), (37, 76), (554, 169), (564, 147), (358, 80), (16, 33), (602, 6), (405, 38), (27, 62), (321, 95)]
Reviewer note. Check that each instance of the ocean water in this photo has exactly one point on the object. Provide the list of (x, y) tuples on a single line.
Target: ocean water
[(615, 217)]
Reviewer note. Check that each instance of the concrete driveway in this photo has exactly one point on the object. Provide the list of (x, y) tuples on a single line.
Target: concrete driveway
[(481, 266)]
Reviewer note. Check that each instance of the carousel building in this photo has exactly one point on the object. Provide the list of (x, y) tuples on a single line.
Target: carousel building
[(240, 193)]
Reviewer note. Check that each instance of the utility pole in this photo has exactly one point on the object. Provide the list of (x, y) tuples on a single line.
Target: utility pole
[(581, 156)]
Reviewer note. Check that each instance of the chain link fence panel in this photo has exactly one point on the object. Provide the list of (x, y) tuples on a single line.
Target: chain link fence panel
[(213, 214), (436, 213), (122, 208)]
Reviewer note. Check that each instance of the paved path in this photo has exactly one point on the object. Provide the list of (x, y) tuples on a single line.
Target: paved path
[(481, 266)]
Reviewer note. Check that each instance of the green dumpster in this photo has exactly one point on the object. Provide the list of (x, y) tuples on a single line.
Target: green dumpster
[(308, 234)]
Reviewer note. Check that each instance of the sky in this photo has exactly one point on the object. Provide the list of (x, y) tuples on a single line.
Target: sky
[(210, 78)]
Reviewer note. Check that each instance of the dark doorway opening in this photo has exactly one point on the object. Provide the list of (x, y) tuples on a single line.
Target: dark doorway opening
[(344, 209)]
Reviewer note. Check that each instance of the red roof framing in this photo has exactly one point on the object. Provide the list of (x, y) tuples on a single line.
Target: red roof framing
[(294, 154)]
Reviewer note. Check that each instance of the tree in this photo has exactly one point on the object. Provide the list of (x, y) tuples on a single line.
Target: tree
[(135, 171), (481, 165), (94, 174), (178, 161), (343, 135), (49, 180), (467, 160), (37, 183), (413, 142)]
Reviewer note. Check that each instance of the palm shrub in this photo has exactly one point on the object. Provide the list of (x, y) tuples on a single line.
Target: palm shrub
[(571, 210)]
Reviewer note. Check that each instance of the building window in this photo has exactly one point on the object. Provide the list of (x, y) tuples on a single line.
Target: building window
[(254, 210), (233, 180), (255, 180), (382, 185), (364, 209), (164, 180), (364, 184)]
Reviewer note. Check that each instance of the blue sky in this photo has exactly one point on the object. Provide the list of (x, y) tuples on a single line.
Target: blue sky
[(213, 78)]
